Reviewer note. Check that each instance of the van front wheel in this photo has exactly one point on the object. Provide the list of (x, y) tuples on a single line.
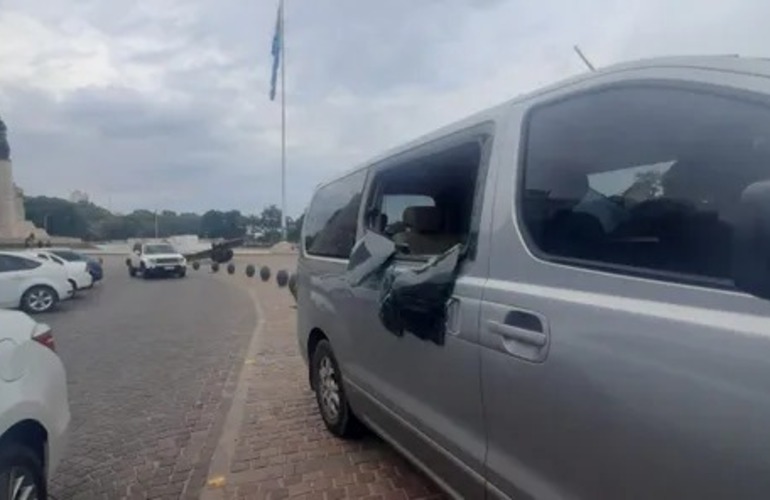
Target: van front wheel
[(330, 394)]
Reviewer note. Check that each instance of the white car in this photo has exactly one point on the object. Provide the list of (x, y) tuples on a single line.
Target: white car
[(32, 284), (34, 408), (156, 258), (77, 272)]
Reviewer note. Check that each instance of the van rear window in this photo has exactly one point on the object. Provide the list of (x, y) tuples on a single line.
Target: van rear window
[(329, 229)]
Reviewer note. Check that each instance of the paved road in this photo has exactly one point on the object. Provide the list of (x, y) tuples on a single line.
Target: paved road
[(169, 383), (151, 365), (282, 448)]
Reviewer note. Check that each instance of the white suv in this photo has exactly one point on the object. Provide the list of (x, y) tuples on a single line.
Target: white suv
[(77, 271), (156, 258), (32, 284), (34, 409)]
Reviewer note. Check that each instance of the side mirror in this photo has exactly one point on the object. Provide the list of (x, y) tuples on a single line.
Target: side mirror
[(751, 241)]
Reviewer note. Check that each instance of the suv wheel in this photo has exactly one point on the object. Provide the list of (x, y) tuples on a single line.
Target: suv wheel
[(39, 299), (131, 271), (21, 474), (330, 394)]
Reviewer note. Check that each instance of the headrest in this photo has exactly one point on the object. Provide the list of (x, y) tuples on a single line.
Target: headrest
[(423, 219), (562, 180)]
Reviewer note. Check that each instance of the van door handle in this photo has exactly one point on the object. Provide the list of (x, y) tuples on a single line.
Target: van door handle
[(512, 332)]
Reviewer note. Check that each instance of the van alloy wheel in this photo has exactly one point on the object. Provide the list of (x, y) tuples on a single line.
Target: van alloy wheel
[(330, 390), (326, 380), (19, 484)]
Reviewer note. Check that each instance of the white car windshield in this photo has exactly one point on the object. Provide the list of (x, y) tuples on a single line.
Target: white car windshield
[(160, 248)]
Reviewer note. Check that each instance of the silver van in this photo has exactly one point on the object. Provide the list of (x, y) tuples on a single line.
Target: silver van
[(565, 296)]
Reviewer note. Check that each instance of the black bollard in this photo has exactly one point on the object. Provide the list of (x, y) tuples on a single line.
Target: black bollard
[(250, 270), (214, 267), (231, 268), (196, 265), (264, 273), (293, 285), (282, 278)]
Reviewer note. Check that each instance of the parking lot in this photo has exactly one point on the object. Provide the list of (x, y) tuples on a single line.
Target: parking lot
[(194, 388)]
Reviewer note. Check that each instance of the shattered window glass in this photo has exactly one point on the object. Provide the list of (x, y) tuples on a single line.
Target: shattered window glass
[(412, 299)]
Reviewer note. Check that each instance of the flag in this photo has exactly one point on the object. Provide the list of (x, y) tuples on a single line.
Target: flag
[(276, 49)]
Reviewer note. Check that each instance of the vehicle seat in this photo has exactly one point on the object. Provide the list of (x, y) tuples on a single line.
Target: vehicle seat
[(424, 232), (567, 231)]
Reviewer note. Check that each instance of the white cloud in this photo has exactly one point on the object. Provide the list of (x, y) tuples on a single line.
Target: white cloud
[(96, 91)]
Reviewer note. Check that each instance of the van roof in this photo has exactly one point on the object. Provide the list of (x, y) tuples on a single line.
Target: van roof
[(726, 63)]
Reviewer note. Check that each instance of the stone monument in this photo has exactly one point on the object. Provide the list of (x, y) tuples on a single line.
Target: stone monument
[(13, 224)]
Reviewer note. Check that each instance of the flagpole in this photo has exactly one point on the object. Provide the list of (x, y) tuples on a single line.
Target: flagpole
[(283, 125)]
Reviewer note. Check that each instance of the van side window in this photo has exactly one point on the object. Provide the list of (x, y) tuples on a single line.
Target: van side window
[(425, 205), (330, 225), (642, 177)]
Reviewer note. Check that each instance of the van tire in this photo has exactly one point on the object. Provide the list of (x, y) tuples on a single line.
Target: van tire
[(330, 393), (19, 460)]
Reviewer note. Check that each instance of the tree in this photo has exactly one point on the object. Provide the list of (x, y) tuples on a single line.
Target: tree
[(91, 222), (270, 218), (60, 217), (212, 224), (294, 228), (269, 224), (216, 224), (234, 225)]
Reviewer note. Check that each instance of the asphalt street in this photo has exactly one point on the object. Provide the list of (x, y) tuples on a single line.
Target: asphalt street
[(151, 367)]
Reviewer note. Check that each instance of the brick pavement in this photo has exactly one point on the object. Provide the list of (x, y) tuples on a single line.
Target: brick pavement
[(151, 367), (283, 449)]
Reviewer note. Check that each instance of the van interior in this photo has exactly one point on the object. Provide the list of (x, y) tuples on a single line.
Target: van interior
[(425, 205), (608, 183)]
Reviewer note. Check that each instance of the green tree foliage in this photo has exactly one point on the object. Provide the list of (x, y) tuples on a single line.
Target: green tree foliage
[(269, 225), (61, 217), (294, 228), (216, 224), (91, 222)]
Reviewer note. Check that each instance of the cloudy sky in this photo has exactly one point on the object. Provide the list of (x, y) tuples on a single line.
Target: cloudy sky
[(164, 103)]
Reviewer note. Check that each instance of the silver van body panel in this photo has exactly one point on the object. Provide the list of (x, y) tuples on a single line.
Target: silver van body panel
[(650, 389), (633, 387)]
